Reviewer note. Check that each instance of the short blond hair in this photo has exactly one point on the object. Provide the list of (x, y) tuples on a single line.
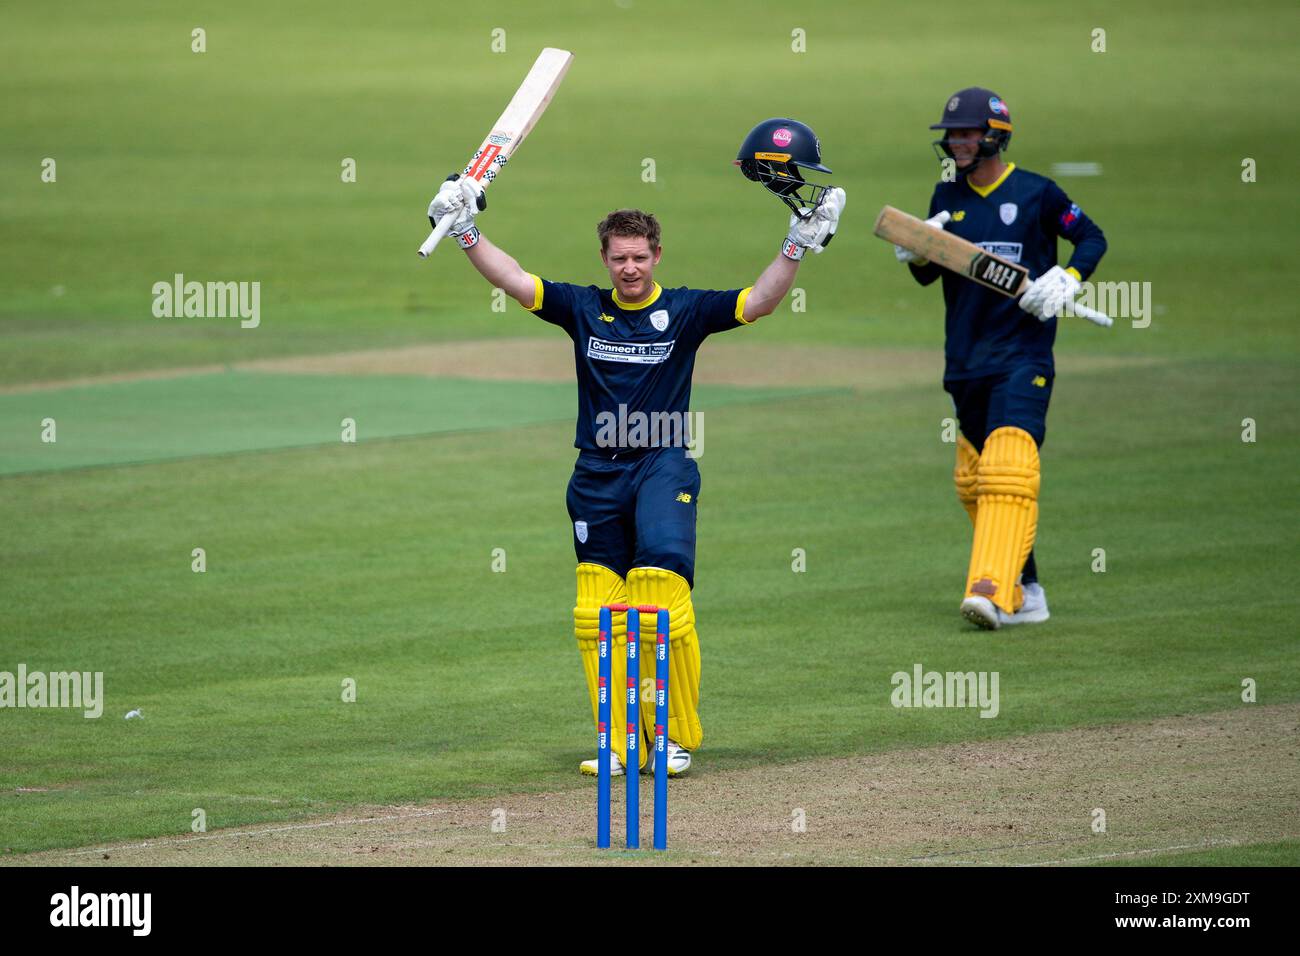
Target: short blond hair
[(628, 223)]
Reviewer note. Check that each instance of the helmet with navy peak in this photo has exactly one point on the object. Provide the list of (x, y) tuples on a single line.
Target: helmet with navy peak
[(775, 152), (975, 108)]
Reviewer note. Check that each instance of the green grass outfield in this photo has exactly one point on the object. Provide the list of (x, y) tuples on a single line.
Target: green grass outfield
[(373, 561)]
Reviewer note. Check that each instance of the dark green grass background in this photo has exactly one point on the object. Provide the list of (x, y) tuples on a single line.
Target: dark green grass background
[(216, 413), (372, 561), (226, 165)]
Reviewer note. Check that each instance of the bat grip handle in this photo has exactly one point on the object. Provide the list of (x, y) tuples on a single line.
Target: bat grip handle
[(435, 237), (1092, 315)]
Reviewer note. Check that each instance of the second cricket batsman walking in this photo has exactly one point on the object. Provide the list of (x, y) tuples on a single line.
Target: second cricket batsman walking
[(998, 366), (634, 492)]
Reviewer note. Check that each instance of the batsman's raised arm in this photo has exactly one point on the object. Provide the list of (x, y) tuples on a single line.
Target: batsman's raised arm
[(462, 199), (809, 231), (501, 269), (770, 288)]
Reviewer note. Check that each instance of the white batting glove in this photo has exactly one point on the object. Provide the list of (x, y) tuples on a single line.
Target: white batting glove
[(461, 198), (448, 201), (907, 255), (1046, 296), (815, 230)]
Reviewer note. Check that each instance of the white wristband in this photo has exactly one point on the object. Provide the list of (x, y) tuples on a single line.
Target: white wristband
[(468, 240), (792, 250)]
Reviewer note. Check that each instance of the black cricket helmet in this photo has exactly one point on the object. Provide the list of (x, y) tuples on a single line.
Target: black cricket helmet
[(975, 108), (773, 154)]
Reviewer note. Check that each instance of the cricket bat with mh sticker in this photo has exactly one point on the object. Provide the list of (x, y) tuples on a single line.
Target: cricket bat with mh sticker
[(965, 258), (525, 109)]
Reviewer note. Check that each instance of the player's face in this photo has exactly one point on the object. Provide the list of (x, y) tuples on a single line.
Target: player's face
[(631, 264), (964, 144)]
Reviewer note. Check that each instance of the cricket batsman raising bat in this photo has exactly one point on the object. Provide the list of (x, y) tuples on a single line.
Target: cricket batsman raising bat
[(998, 350), (634, 492)]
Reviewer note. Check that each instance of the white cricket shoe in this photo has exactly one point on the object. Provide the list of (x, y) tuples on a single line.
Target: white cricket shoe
[(592, 767), (1033, 611), (982, 612), (679, 760)]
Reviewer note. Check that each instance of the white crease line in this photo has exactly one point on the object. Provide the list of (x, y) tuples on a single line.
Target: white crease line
[(246, 833), (939, 857), (1162, 849)]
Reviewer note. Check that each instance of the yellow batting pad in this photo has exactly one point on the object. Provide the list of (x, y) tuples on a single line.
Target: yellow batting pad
[(1007, 491), (666, 589), (598, 586), (965, 474)]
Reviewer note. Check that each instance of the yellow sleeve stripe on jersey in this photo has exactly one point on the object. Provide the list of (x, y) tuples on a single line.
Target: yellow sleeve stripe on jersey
[(1074, 272), (537, 294), (740, 306)]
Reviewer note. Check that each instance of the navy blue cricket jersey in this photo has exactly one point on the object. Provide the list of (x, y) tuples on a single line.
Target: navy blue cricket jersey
[(639, 355), (1019, 217)]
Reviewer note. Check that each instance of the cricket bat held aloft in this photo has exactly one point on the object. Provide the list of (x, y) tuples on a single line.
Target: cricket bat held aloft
[(525, 109)]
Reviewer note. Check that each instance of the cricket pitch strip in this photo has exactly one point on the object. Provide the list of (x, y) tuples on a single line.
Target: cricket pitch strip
[(1167, 786)]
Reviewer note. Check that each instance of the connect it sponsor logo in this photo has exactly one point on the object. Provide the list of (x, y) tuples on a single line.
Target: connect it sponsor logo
[(639, 353)]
